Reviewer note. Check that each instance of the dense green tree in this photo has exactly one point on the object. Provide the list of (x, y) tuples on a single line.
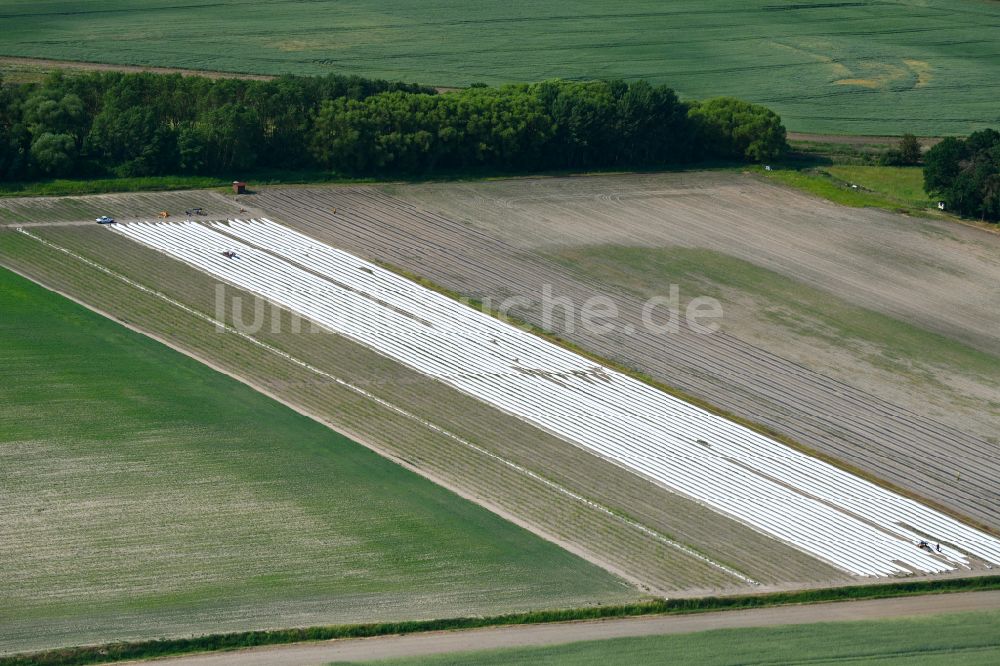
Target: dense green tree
[(54, 153), (990, 190), (133, 141), (909, 150), (907, 153), (506, 128), (652, 126), (15, 140), (234, 137), (965, 174), (54, 111), (729, 128), (108, 123), (942, 164), (344, 136), (584, 116), (192, 148)]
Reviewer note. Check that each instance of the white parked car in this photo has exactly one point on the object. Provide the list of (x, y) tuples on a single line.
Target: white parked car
[(104, 219)]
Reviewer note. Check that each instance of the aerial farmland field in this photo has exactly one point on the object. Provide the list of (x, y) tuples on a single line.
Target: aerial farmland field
[(338, 331), (722, 465), (846, 68), (147, 495), (399, 374), (481, 451)]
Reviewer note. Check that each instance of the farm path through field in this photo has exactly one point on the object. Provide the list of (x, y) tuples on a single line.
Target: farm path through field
[(856, 140), (388, 647), (123, 207), (45, 64)]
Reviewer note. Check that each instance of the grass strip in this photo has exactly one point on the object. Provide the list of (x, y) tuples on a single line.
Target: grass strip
[(72, 187), (283, 177), (894, 189), (214, 642), (76, 187)]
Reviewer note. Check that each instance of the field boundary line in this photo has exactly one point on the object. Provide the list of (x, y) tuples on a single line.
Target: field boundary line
[(235, 641), (94, 66), (222, 326)]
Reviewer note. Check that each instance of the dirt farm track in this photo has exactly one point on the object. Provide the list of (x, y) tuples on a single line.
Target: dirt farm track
[(891, 368)]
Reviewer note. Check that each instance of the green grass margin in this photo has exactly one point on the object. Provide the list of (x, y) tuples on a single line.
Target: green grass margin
[(820, 182), (272, 177), (62, 187), (110, 652)]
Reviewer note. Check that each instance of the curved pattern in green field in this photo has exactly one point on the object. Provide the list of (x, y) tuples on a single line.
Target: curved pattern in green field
[(860, 67)]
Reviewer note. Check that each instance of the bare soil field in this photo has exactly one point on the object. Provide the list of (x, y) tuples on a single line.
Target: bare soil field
[(891, 367), (936, 275), (660, 542)]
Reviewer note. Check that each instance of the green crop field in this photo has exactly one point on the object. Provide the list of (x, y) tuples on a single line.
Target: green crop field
[(963, 639), (863, 67), (145, 495)]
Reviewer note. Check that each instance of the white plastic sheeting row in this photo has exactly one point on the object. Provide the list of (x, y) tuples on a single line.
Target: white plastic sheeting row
[(811, 505)]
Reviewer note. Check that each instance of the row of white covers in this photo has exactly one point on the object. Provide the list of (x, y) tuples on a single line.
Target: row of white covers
[(835, 516)]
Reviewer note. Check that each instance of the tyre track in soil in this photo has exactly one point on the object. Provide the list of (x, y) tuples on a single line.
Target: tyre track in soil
[(836, 419)]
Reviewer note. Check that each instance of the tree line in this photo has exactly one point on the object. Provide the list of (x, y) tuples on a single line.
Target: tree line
[(965, 174), (115, 124)]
